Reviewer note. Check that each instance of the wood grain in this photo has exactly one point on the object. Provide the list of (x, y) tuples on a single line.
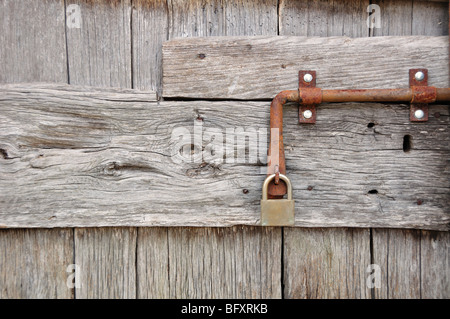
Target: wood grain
[(435, 265), (32, 41), (106, 258), (238, 262), (261, 67), (149, 30), (398, 255), (33, 263), (326, 263), (408, 17), (99, 52), (69, 157), (153, 271), (323, 18)]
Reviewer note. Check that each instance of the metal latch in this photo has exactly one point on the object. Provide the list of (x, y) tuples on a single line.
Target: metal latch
[(419, 94)]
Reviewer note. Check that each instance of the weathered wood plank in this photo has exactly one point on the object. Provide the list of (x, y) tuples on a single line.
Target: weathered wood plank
[(196, 18), (153, 263), (33, 263), (407, 17), (323, 18), (238, 262), (261, 67), (150, 29), (32, 41), (326, 263), (106, 258), (83, 153), (397, 253), (430, 18), (435, 265), (99, 51)]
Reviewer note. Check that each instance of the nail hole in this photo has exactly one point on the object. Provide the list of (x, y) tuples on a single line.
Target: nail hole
[(373, 191), (201, 55), (407, 143), (370, 125), (245, 191)]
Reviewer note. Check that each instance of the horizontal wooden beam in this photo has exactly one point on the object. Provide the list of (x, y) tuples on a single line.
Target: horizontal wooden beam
[(73, 156), (260, 67)]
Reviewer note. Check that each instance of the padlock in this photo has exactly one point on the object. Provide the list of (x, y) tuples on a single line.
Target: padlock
[(277, 212)]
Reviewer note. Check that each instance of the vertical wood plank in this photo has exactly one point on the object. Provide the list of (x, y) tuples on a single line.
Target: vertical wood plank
[(33, 263), (99, 51), (222, 18), (237, 262), (435, 265), (152, 263), (326, 263), (32, 41), (106, 258), (430, 18), (395, 17), (150, 29), (397, 252), (323, 18)]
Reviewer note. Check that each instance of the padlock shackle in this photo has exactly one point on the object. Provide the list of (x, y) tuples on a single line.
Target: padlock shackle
[(283, 178)]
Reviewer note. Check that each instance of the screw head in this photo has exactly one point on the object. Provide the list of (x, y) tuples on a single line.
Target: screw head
[(307, 78), (419, 76), (307, 114), (418, 114)]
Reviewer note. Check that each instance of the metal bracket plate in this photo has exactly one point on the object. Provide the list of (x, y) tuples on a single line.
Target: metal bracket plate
[(306, 80), (418, 112)]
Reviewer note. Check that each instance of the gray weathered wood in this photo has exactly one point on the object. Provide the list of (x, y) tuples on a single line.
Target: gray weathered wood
[(153, 271), (238, 262), (32, 41), (156, 21), (398, 255), (33, 263), (435, 265), (261, 67), (326, 263), (430, 18), (106, 258), (407, 17), (99, 52), (114, 162), (323, 18), (150, 29)]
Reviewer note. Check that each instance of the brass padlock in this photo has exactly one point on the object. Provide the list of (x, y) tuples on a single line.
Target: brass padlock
[(277, 212)]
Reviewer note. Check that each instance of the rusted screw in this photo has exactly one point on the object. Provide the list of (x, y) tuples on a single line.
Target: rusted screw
[(245, 191), (310, 188), (307, 78), (307, 114), (419, 202), (418, 114), (419, 76)]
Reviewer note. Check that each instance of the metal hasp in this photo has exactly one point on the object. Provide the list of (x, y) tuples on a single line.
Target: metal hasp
[(419, 94)]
